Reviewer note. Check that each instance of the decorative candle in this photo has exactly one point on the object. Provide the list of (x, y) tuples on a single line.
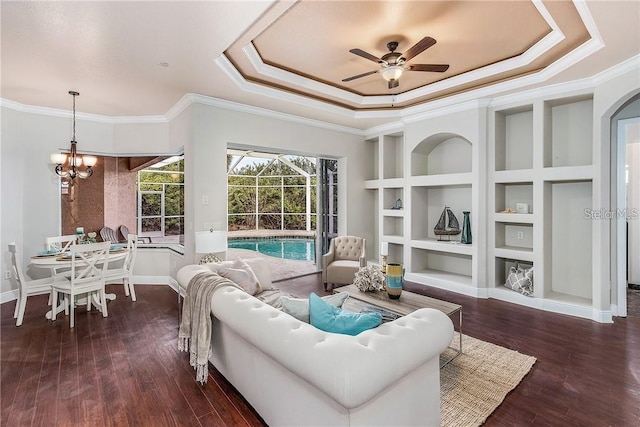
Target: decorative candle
[(384, 248)]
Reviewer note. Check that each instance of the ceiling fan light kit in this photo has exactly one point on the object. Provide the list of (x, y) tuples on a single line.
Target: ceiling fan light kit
[(393, 63), (392, 73)]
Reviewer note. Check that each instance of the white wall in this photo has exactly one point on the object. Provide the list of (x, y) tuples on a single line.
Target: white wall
[(633, 209), (31, 205), (30, 189), (214, 129)]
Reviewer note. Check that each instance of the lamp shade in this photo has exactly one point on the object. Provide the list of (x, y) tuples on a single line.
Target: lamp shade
[(58, 158), (211, 241), (90, 161)]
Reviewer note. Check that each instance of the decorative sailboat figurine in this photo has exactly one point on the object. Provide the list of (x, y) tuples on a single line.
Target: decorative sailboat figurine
[(447, 224)]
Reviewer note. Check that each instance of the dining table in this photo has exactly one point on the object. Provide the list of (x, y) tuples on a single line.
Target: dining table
[(56, 261)]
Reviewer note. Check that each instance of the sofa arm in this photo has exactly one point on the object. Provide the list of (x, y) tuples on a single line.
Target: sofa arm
[(350, 369)]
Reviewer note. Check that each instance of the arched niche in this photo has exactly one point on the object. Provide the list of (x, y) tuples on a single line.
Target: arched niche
[(442, 153)]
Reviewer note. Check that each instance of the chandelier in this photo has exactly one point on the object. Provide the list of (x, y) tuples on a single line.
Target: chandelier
[(75, 162)]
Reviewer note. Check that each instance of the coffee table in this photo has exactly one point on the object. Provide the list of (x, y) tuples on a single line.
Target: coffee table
[(408, 303)]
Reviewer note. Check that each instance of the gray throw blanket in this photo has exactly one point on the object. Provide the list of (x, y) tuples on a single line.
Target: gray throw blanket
[(195, 326)]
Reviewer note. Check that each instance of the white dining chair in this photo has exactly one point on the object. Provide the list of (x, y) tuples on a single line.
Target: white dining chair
[(89, 265), (125, 273), (61, 243), (26, 287)]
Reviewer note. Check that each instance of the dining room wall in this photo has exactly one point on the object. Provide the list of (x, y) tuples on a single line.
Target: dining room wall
[(31, 191)]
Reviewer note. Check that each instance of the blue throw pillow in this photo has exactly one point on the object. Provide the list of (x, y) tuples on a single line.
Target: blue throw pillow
[(329, 318)]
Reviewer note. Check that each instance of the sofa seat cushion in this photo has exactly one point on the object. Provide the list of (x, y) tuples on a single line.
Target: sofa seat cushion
[(343, 271), (329, 318)]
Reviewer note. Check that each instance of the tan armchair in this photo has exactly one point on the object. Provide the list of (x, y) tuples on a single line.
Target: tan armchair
[(345, 257)]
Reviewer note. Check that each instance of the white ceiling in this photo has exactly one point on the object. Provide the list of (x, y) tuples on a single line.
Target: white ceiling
[(290, 56)]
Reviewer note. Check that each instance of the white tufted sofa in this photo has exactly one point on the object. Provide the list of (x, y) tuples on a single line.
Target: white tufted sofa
[(296, 375), (345, 257)]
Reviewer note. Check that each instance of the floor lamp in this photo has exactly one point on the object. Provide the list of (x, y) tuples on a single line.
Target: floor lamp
[(210, 242)]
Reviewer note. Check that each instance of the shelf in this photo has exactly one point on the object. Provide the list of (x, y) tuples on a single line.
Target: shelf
[(392, 183), (442, 180), (568, 173), (454, 247), (443, 278), (521, 175), (372, 184), (569, 299), (514, 252), (513, 218), (393, 212), (393, 238)]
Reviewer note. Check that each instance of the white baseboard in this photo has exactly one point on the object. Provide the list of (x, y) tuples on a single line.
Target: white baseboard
[(9, 296)]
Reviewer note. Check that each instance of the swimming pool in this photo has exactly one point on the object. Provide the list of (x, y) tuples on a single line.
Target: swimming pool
[(296, 249)]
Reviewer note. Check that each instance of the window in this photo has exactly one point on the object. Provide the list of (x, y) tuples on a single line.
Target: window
[(161, 201)]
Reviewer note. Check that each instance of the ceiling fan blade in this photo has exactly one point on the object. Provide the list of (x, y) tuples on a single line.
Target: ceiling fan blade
[(419, 47), (368, 73), (394, 83), (366, 55), (436, 68)]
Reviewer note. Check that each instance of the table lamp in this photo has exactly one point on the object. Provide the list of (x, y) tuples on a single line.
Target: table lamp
[(210, 241)]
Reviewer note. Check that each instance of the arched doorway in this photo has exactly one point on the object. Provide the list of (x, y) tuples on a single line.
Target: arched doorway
[(625, 202)]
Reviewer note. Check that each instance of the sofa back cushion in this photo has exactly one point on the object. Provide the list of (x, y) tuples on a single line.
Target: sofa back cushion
[(242, 275)]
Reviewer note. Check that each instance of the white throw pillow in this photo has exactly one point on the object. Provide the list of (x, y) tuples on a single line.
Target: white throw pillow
[(242, 275), (299, 307)]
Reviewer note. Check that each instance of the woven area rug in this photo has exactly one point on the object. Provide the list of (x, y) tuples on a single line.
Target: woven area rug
[(474, 384)]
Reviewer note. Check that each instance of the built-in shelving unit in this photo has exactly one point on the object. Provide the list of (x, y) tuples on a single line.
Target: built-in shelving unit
[(541, 160), (440, 173), (524, 172)]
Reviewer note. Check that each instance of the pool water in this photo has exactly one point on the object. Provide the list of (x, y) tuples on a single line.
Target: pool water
[(296, 249)]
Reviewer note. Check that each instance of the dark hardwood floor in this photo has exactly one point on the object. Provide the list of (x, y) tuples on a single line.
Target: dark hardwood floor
[(126, 369)]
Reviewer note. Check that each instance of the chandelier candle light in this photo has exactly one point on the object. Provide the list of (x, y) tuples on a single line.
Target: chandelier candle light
[(75, 162)]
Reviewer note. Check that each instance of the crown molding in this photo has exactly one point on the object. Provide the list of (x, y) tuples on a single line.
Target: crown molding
[(54, 112), (244, 108)]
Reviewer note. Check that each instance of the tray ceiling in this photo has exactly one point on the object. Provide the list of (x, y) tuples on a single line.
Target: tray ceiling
[(130, 60)]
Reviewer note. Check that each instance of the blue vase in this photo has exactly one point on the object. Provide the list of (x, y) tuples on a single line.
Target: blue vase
[(466, 229)]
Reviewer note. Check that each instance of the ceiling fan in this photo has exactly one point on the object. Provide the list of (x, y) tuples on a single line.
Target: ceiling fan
[(393, 64)]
